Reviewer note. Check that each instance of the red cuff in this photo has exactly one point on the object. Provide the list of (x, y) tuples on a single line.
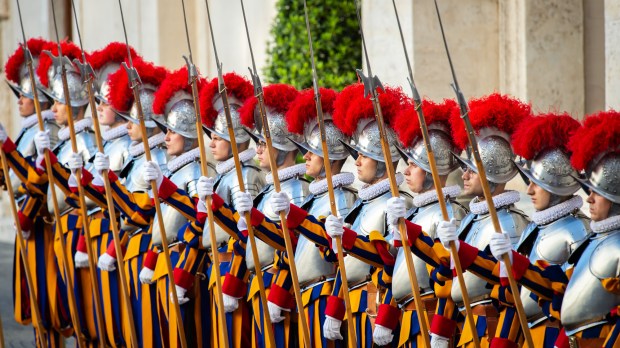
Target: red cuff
[(81, 244), (520, 264), (382, 248), (216, 202), (442, 326), (281, 297), (234, 286), (256, 216), (348, 238), (562, 340), (53, 159), (87, 177), (467, 254), (335, 307), (24, 221), (9, 146), (150, 260), (183, 278), (112, 249), (167, 188), (112, 176), (413, 231), (388, 316), (497, 342), (296, 216)]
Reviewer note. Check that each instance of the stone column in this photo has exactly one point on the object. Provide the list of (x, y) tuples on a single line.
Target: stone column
[(612, 54)]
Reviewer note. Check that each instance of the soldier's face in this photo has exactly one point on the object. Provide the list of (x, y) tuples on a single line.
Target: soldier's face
[(599, 206), (26, 106), (134, 131), (263, 155), (220, 148), (60, 113), (366, 169), (540, 197), (174, 143), (105, 114), (314, 164), (414, 177), (471, 184)]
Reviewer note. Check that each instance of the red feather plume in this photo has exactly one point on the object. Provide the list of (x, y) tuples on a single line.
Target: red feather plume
[(341, 106), (500, 111), (407, 124), (113, 52), (15, 61), (236, 85), (278, 98), (543, 132), (600, 133), (303, 108), (69, 50), (121, 95), (174, 82)]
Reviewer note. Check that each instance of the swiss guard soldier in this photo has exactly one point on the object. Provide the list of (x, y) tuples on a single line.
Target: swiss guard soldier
[(37, 234), (586, 296), (278, 98), (426, 213)]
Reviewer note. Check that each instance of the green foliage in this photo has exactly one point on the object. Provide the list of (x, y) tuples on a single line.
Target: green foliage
[(336, 42)]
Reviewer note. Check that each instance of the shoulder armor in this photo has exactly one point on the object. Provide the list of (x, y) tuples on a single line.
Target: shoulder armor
[(604, 262), (227, 184), (117, 150), (557, 241), (297, 189), (428, 216), (186, 177), (528, 237), (368, 216), (512, 222), (131, 171), (319, 206)]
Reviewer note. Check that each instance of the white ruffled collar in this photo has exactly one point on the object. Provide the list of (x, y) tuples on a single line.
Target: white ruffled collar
[(338, 180), (79, 126), (137, 149), (113, 133), (31, 120), (607, 225), (228, 165), (369, 192), (558, 211), (502, 200), (286, 173), (187, 157), (431, 196)]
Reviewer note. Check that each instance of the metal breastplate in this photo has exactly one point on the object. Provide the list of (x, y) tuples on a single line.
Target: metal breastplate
[(478, 233), (307, 253), (131, 172), (297, 189), (585, 301), (185, 178), (427, 217), (117, 151), (553, 243), (226, 186), (86, 147)]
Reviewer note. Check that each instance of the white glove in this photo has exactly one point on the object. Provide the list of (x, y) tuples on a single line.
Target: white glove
[(331, 328), (152, 172), (280, 201), (243, 202), (242, 225), (500, 244), (446, 232), (106, 262), (180, 295), (75, 162), (25, 234), (80, 259), (42, 141), (230, 303), (204, 187), (101, 162), (438, 341), (275, 312), (3, 134), (395, 209), (382, 335), (146, 275), (334, 226)]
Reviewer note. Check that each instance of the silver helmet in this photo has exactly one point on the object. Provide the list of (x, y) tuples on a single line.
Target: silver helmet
[(552, 170), (180, 115), (333, 136), (25, 85), (496, 154), (281, 138), (442, 148), (102, 86), (147, 95), (220, 126), (78, 93), (604, 177), (367, 141)]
